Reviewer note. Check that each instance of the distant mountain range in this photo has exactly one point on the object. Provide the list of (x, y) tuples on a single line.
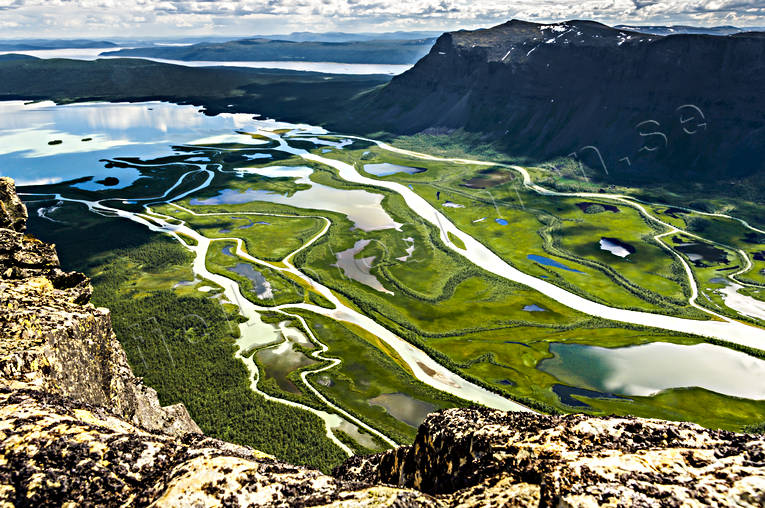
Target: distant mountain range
[(638, 107), (685, 29), (38, 44), (349, 37), (364, 51)]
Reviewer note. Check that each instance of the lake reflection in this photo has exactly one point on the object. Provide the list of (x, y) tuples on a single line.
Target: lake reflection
[(147, 130), (362, 207), (650, 368), (385, 169)]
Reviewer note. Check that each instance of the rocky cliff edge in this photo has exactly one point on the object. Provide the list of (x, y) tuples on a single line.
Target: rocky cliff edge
[(77, 428)]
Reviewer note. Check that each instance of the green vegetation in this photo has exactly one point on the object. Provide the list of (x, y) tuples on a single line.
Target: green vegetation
[(757, 428), (287, 95), (369, 368), (489, 330), (649, 279), (363, 105), (183, 347), (689, 404), (266, 237), (456, 241), (180, 344), (484, 355), (274, 289)]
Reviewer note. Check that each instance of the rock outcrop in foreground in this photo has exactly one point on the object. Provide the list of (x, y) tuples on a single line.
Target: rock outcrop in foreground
[(77, 427), (522, 459)]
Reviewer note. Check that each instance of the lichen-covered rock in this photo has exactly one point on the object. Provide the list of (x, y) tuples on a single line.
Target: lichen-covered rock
[(474, 456), (54, 451)]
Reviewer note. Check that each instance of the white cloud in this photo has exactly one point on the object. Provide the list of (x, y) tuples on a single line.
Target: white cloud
[(140, 18)]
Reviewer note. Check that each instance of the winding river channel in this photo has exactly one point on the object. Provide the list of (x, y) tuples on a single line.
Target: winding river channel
[(727, 329), (255, 333)]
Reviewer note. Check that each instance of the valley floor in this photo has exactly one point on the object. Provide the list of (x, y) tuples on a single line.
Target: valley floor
[(316, 296)]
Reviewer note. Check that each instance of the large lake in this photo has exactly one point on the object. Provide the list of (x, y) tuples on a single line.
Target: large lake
[(144, 130)]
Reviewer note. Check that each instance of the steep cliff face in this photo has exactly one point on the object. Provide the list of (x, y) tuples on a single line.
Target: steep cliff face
[(77, 427), (692, 103), (53, 341)]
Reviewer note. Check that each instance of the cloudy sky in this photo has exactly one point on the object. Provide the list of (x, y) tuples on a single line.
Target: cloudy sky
[(88, 18)]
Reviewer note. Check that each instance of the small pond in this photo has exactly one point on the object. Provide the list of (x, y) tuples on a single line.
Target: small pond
[(362, 437), (363, 208), (489, 178), (255, 156), (565, 392), (542, 260), (700, 251), (358, 268), (244, 226), (385, 169), (589, 207), (260, 285), (325, 142), (616, 247), (279, 361), (674, 212), (741, 303)]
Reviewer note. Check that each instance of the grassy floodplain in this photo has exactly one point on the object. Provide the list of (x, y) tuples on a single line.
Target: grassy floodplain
[(489, 330), (481, 362), (493, 206), (385, 372), (393, 248), (136, 275)]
